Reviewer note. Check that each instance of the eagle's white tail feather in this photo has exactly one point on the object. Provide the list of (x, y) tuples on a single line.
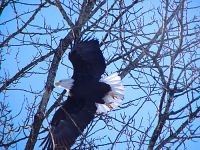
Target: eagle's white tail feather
[(114, 98), (102, 108)]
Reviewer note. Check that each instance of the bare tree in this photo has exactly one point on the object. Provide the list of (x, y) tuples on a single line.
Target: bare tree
[(153, 45)]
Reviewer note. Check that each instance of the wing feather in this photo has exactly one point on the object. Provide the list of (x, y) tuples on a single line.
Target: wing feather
[(87, 59), (67, 125)]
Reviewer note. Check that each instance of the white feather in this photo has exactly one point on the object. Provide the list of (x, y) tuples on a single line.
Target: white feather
[(65, 84), (102, 108), (113, 99)]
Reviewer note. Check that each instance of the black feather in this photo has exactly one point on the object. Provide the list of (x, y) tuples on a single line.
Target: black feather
[(87, 60), (66, 127)]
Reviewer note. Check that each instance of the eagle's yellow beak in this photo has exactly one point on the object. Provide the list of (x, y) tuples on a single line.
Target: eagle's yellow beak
[(57, 83)]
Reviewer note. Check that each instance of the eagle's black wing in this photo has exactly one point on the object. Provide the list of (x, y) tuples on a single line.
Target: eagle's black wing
[(87, 60), (68, 123)]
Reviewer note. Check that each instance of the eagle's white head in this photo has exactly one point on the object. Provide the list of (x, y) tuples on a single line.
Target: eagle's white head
[(65, 84)]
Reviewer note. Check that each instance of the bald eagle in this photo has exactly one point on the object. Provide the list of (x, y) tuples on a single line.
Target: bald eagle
[(88, 94)]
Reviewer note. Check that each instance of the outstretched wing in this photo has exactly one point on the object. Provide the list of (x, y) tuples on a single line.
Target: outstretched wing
[(87, 59), (68, 123)]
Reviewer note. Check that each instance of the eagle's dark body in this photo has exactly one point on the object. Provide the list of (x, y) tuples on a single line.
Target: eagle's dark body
[(79, 109)]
